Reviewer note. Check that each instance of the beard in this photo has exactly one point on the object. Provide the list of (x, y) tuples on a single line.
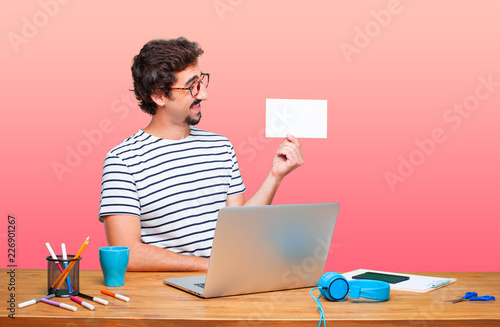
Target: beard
[(193, 121)]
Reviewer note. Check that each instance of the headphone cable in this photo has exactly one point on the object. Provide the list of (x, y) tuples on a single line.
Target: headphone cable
[(320, 307)]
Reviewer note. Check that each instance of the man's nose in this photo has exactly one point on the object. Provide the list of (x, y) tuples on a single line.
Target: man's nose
[(203, 94)]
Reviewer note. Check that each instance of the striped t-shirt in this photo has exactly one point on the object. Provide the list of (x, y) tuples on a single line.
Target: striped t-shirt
[(176, 188)]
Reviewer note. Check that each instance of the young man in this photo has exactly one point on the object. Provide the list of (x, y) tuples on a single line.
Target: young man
[(163, 187)]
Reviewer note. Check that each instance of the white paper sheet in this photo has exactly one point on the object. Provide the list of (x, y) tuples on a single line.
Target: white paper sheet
[(301, 118), (416, 283)]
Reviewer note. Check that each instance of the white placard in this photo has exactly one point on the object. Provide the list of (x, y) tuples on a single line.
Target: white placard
[(301, 118)]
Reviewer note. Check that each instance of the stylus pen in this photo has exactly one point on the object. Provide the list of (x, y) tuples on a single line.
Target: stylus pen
[(92, 298), (438, 283), (30, 302)]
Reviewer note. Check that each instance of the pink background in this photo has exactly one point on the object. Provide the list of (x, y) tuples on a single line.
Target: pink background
[(404, 68)]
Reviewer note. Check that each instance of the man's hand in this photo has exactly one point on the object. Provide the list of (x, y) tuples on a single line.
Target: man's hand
[(287, 158)]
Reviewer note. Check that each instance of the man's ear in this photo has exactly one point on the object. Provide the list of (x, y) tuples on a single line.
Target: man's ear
[(159, 98)]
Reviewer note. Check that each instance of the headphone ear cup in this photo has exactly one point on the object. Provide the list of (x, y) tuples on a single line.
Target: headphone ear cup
[(334, 286), (324, 283)]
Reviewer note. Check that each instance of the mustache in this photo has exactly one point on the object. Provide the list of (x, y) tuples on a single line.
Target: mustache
[(195, 103)]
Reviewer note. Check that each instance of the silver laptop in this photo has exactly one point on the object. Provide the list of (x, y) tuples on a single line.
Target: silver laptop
[(265, 248)]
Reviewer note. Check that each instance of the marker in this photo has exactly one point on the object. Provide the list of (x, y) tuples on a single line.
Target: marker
[(30, 302), (65, 258), (85, 304), (53, 255), (95, 299), (61, 305), (438, 283), (118, 296)]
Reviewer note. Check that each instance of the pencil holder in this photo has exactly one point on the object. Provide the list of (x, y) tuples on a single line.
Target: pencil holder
[(54, 268)]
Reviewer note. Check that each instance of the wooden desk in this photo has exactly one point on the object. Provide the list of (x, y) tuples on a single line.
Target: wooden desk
[(154, 304)]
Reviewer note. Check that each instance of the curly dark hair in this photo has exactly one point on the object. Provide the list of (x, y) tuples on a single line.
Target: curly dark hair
[(155, 66)]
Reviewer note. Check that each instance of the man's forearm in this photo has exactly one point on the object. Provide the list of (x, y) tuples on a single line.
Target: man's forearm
[(146, 257), (125, 230), (266, 192)]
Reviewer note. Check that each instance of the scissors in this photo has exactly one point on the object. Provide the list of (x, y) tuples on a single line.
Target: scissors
[(472, 296)]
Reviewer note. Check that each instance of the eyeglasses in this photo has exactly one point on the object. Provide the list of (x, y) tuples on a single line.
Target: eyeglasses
[(196, 86)]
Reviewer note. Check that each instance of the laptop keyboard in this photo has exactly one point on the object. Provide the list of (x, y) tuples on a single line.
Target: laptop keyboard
[(202, 285)]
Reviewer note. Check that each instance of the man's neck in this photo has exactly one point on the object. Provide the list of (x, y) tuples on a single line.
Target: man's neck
[(167, 130)]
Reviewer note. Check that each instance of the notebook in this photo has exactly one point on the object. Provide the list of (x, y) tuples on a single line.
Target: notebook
[(265, 248)]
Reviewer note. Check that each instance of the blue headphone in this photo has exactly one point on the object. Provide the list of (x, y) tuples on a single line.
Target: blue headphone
[(335, 287)]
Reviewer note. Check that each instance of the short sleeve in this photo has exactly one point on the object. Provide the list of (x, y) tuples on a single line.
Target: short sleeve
[(118, 189), (236, 185)]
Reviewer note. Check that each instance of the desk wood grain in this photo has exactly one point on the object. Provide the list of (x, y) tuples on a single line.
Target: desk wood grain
[(154, 304)]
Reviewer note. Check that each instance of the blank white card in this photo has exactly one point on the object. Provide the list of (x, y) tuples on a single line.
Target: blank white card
[(301, 118)]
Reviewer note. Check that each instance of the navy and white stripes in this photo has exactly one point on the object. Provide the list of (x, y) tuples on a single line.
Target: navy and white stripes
[(176, 188)]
